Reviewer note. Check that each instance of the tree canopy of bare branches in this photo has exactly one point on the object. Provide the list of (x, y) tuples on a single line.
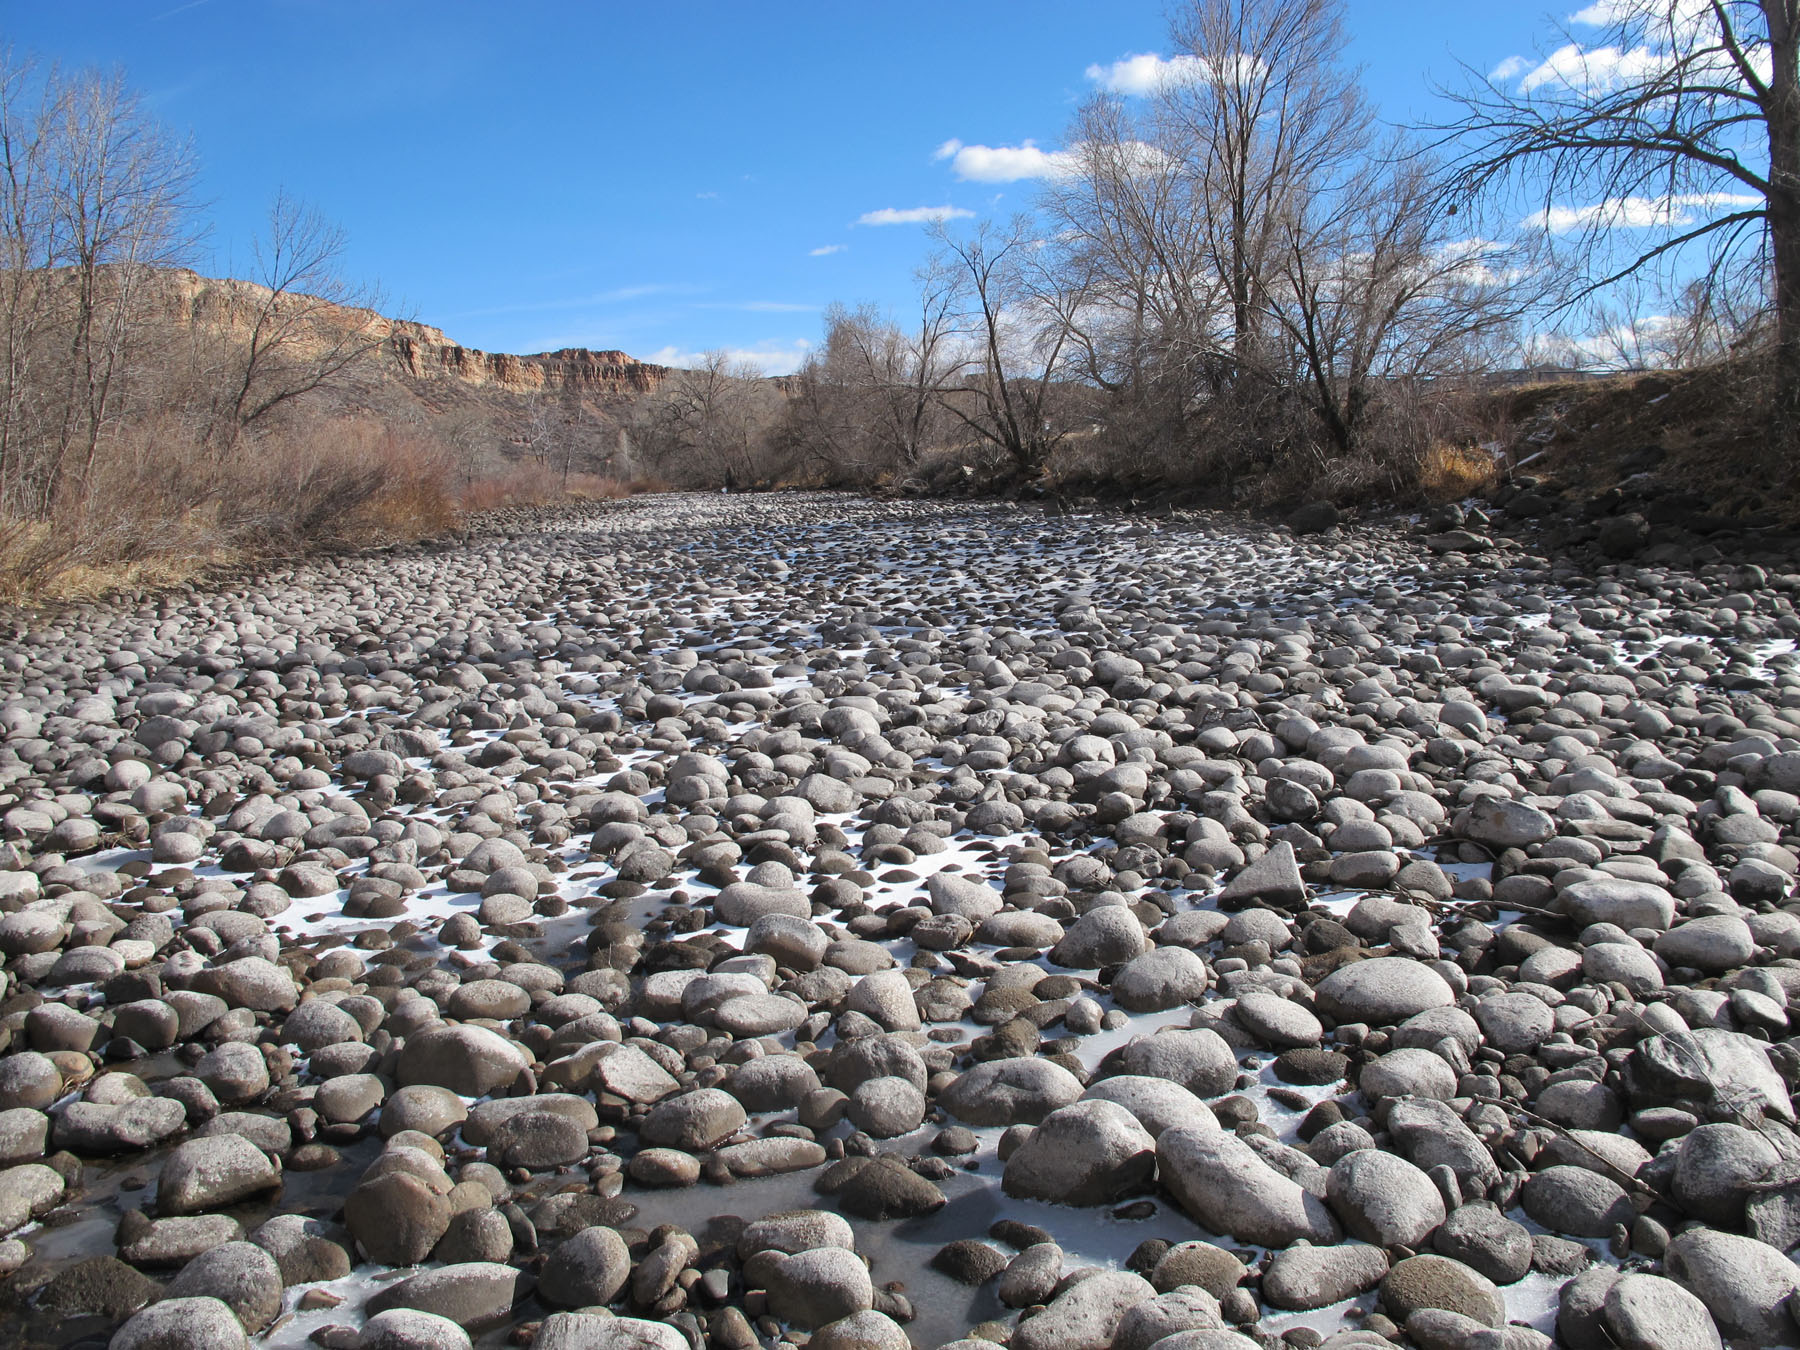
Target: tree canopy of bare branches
[(1672, 140), (94, 194), (295, 326), (707, 424), (1012, 319), (1246, 246), (866, 403)]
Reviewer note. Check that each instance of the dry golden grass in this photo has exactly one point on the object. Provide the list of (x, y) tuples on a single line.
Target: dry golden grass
[(1452, 472)]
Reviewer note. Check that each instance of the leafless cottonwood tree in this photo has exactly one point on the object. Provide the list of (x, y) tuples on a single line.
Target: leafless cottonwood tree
[(542, 435), (706, 425), (1270, 119), (1012, 318), (119, 203), (28, 118), (1259, 272), (866, 403), (296, 326), (1682, 117), (94, 195), (1372, 296)]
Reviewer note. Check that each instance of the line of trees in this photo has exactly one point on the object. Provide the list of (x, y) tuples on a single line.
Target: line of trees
[(1240, 272), (1245, 272)]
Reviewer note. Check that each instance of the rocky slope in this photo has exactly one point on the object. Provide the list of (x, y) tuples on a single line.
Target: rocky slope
[(733, 921)]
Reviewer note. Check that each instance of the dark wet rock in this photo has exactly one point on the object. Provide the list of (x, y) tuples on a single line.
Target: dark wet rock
[(98, 1286), (1436, 1282), (968, 1261), (881, 1188), (586, 1270)]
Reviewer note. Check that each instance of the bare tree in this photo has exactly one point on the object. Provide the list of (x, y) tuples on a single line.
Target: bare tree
[(1267, 116), (1375, 293), (541, 431), (296, 326), (1013, 318), (1254, 272), (28, 118), (120, 198), (467, 437), (1683, 119), (867, 401), (705, 424)]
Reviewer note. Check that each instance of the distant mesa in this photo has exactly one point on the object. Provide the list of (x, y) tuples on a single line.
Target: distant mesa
[(425, 353)]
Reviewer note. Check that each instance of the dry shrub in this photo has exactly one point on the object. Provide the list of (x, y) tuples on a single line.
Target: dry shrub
[(344, 481), (158, 507), (540, 485), (1452, 472)]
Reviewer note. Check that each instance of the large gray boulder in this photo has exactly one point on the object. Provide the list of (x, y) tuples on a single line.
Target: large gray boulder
[(1225, 1185), (1087, 1153)]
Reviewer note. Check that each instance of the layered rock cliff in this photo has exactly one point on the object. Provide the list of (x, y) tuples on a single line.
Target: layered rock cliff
[(425, 354), (418, 351)]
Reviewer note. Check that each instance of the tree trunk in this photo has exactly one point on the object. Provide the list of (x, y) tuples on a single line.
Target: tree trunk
[(1784, 220)]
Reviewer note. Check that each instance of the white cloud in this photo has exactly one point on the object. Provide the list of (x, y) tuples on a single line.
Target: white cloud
[(1601, 13), (913, 215), (771, 357), (1509, 69), (1592, 71), (1146, 72), (1477, 262), (826, 250), (1009, 163), (1637, 213), (947, 149)]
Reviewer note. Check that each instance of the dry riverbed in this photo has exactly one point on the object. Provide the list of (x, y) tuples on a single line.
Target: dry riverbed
[(708, 921)]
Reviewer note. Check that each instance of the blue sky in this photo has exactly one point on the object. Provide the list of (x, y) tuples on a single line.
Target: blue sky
[(658, 177)]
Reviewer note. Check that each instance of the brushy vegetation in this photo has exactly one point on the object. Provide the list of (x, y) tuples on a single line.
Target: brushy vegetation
[(534, 485), (159, 508)]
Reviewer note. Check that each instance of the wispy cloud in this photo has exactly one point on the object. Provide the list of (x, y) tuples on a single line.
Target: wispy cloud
[(772, 357), (1148, 73), (1591, 70), (1010, 163), (707, 196), (826, 250), (913, 215), (178, 9), (1637, 213), (1509, 69), (1602, 13), (1006, 163)]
